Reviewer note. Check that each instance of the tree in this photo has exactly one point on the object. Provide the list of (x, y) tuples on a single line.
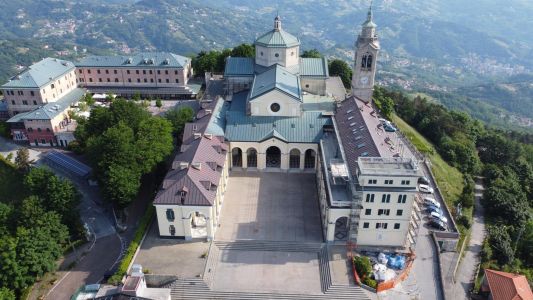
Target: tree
[(89, 100), (467, 196), (207, 62), (178, 117), (386, 106), (121, 184), (22, 161), (6, 294), (313, 53), (158, 103), (340, 68), (12, 274), (153, 142), (136, 96), (243, 50), (500, 241)]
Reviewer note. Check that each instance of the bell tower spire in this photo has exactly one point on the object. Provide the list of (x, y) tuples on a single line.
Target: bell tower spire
[(366, 53), (277, 22)]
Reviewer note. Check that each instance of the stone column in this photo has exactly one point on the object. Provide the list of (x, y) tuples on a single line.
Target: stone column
[(302, 160)]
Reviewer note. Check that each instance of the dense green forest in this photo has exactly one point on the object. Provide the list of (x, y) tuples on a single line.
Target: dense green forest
[(503, 158), (38, 220)]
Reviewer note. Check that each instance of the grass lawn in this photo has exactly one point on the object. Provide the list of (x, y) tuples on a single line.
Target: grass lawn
[(11, 184), (449, 179)]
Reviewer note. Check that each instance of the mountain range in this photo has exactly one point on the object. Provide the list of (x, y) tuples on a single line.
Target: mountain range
[(474, 49)]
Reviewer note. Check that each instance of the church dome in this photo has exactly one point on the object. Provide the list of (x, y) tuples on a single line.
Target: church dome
[(277, 37)]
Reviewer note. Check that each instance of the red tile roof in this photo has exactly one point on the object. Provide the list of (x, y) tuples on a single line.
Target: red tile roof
[(508, 286)]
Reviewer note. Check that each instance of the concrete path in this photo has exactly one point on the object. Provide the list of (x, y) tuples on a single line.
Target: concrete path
[(468, 266)]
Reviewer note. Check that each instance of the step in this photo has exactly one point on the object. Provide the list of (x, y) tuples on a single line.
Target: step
[(268, 246)]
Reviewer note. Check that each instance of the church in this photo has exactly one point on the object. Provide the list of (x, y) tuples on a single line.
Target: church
[(284, 113)]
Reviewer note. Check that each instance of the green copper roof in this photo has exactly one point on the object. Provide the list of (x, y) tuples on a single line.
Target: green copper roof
[(240, 127), (316, 67), (239, 66), (144, 59), (276, 77), (40, 74), (277, 39), (52, 109)]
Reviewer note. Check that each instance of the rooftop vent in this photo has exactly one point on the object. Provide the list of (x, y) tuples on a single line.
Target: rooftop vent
[(353, 124), (208, 111), (254, 125), (197, 165), (364, 154), (293, 125), (166, 61), (208, 136), (197, 135), (350, 117), (349, 111), (361, 145)]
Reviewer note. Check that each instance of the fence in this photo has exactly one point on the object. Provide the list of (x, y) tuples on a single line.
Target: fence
[(386, 285)]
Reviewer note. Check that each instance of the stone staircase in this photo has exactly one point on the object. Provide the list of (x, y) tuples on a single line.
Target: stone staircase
[(198, 288), (254, 245)]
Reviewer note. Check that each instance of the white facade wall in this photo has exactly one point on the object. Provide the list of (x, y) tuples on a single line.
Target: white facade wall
[(267, 56), (289, 106), (183, 214), (285, 148)]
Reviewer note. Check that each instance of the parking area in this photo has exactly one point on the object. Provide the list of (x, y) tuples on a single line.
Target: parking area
[(270, 206)]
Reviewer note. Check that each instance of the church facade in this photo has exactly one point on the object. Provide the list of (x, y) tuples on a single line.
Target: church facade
[(279, 114)]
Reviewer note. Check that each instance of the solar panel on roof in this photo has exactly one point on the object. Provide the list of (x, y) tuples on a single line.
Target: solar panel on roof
[(69, 163)]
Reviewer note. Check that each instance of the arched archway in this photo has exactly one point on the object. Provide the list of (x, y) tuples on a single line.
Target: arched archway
[(294, 159), (273, 157), (198, 225), (341, 229), (236, 157), (251, 158), (310, 158)]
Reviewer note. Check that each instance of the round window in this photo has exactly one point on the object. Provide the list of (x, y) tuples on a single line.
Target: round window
[(276, 55), (275, 107)]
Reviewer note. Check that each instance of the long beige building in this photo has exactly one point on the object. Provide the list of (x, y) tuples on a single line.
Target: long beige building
[(151, 74)]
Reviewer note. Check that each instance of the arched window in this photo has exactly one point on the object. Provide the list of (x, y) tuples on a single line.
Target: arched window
[(236, 157), (309, 160), (251, 155), (273, 157), (366, 61), (294, 159)]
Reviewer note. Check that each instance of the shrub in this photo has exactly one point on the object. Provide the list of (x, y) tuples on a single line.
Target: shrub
[(362, 266), (132, 248), (463, 220), (370, 282), (75, 147)]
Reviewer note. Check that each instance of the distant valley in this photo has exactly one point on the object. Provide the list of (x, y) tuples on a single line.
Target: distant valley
[(469, 56)]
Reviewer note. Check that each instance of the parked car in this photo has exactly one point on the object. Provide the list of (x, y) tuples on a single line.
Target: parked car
[(438, 225), (424, 188), (440, 217), (389, 128), (423, 180), (431, 201), (432, 208)]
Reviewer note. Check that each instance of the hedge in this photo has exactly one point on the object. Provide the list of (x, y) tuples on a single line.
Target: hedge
[(132, 248)]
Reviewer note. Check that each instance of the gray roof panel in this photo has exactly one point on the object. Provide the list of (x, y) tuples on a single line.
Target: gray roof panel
[(140, 60), (40, 74)]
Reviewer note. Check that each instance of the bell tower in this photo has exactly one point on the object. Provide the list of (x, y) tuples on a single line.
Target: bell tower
[(366, 53)]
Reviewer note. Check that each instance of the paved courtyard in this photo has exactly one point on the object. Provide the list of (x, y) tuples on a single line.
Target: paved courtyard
[(270, 206), (268, 271), (171, 256)]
